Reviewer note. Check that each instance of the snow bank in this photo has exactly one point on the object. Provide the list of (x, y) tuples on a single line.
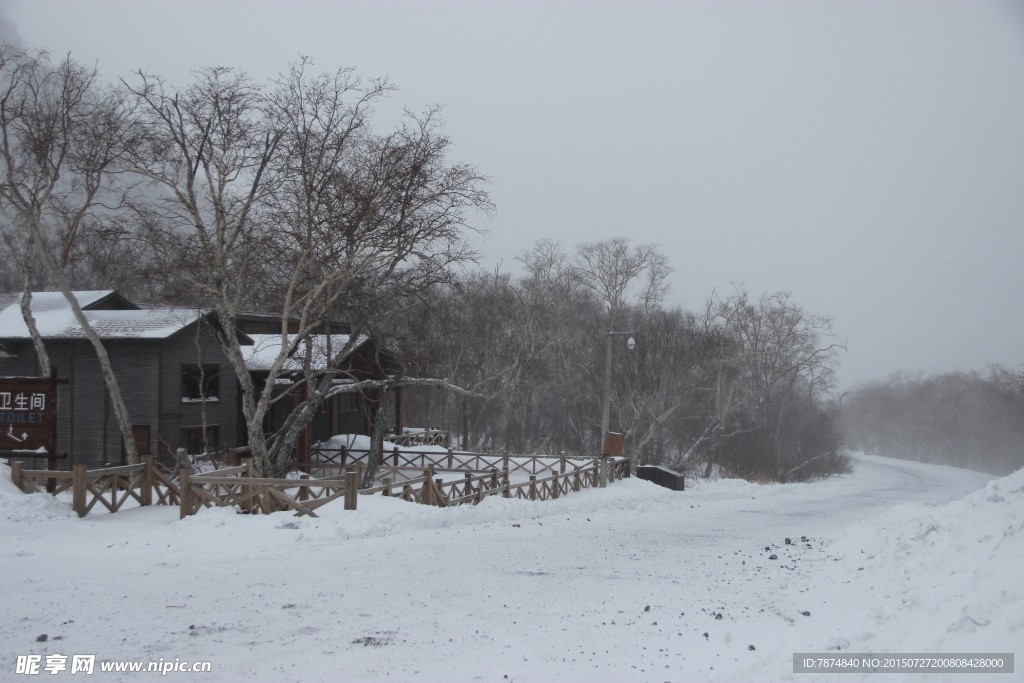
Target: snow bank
[(942, 579), (378, 516), (16, 506)]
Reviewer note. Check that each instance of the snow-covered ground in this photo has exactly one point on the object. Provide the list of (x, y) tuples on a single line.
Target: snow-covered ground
[(620, 584)]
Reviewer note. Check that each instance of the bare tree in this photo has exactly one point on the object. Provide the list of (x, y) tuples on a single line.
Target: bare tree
[(63, 140), (293, 185), (611, 270), (784, 354)]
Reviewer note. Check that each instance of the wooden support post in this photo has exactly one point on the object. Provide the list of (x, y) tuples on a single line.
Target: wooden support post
[(395, 451), (51, 464), (359, 473), (494, 478), (561, 461), (387, 486), (428, 486), (351, 488), (438, 492), (303, 490), (451, 461), (146, 481), (611, 471), (425, 489), (246, 490), (555, 487), (185, 484), (79, 482), (576, 479), (533, 487), (507, 493), (16, 475)]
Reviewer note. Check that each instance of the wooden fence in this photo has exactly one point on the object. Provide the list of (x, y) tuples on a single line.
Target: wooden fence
[(111, 486), (427, 437), (447, 460), (237, 487)]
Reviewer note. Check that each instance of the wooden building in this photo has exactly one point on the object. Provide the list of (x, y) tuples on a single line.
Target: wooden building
[(177, 384)]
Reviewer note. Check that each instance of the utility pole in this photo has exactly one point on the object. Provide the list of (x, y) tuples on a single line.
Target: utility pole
[(606, 400)]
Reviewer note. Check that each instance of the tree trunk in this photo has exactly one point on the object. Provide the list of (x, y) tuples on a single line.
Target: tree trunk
[(384, 416), (124, 421), (37, 340)]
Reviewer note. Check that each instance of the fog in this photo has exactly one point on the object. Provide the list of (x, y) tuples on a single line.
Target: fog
[(867, 156)]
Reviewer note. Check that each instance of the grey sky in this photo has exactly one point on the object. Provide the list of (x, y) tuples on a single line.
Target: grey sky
[(867, 156)]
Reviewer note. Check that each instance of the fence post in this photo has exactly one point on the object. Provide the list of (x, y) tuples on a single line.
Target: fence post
[(245, 489), (576, 479), (79, 480), (16, 476), (387, 486), (351, 488), (494, 478), (395, 451), (147, 480), (451, 462), (561, 461), (185, 484), (611, 471), (554, 489), (51, 464), (303, 490), (533, 487), (507, 493)]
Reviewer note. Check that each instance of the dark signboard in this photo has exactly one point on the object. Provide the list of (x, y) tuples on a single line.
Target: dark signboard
[(613, 443), (28, 414)]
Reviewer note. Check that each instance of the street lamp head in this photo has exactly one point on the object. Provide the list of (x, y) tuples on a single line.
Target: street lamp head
[(630, 343)]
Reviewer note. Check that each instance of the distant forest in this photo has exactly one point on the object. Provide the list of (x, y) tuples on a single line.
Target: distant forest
[(966, 419), (742, 386)]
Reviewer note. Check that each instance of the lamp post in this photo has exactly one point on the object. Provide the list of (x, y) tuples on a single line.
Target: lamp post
[(607, 398)]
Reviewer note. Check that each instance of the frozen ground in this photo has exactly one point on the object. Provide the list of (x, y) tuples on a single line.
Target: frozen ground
[(531, 591)]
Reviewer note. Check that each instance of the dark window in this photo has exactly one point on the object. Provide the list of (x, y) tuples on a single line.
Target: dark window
[(200, 382), (348, 402), (194, 443)]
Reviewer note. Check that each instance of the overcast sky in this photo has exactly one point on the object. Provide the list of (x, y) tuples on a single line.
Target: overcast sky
[(866, 156)]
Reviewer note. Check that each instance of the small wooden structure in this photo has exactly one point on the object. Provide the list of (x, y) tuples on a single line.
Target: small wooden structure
[(662, 476)]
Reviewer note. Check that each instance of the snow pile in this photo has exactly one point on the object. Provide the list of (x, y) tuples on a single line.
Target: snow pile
[(942, 579), (378, 516), (15, 506), (357, 441)]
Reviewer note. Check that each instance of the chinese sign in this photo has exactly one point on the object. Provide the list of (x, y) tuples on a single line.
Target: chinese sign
[(28, 414)]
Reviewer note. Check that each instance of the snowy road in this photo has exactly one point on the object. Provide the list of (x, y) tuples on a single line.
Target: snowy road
[(613, 585)]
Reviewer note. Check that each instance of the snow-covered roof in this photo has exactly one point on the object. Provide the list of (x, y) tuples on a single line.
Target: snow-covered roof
[(266, 348), (55, 319)]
